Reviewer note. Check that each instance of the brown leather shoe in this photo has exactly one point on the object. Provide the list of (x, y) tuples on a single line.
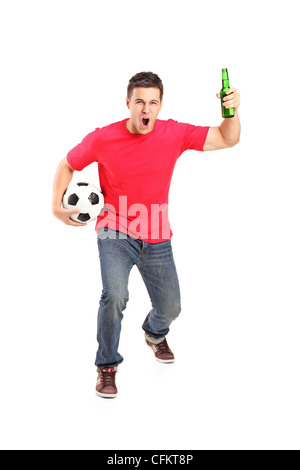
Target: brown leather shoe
[(106, 383), (162, 351)]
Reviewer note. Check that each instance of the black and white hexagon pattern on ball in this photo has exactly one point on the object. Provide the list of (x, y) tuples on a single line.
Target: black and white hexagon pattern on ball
[(85, 197)]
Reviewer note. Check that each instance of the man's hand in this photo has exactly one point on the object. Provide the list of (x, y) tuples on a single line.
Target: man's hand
[(232, 100), (64, 215)]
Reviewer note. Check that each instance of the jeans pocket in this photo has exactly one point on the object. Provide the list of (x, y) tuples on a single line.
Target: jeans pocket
[(105, 233)]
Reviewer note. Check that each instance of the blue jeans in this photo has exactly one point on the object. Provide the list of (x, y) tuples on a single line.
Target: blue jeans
[(118, 254)]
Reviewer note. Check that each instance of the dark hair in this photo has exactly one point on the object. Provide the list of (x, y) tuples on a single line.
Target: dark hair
[(145, 80)]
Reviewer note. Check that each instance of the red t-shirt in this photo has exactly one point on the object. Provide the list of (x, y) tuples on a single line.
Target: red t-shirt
[(135, 172)]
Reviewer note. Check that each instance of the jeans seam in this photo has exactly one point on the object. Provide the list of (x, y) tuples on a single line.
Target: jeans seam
[(150, 289), (150, 293)]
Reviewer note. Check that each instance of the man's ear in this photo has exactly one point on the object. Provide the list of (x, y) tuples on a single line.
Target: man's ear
[(127, 103)]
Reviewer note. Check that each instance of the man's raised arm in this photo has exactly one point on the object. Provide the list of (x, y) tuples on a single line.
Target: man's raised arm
[(228, 133)]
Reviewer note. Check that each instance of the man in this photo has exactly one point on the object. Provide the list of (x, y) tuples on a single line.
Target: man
[(136, 159)]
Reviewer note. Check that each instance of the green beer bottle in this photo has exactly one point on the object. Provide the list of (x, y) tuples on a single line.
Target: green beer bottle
[(226, 112)]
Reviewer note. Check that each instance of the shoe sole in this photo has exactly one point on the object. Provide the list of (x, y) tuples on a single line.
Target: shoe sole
[(164, 361), (167, 361), (106, 395)]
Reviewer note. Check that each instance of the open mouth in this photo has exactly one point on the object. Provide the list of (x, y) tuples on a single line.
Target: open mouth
[(145, 123)]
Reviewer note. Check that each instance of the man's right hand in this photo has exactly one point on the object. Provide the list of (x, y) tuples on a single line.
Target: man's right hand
[(65, 214)]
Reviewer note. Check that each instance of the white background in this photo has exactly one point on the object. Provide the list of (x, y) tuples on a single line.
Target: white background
[(65, 66)]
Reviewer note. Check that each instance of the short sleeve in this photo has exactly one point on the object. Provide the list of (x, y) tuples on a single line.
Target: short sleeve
[(85, 153), (195, 137)]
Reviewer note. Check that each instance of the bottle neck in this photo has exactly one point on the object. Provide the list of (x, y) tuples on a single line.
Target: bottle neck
[(225, 83)]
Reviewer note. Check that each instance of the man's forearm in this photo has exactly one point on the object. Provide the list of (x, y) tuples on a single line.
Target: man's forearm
[(231, 130), (61, 181)]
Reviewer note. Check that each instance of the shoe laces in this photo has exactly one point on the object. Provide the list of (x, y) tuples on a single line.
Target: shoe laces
[(163, 346), (108, 376)]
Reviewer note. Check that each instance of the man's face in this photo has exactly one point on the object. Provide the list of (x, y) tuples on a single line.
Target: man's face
[(144, 106)]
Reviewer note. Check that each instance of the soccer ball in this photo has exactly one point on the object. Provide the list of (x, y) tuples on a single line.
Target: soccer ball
[(86, 198)]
